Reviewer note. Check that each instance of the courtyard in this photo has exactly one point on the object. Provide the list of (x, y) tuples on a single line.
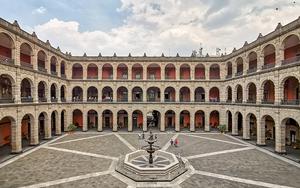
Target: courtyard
[(88, 159)]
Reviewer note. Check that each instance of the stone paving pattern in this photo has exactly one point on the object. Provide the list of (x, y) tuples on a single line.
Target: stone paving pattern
[(46, 165)]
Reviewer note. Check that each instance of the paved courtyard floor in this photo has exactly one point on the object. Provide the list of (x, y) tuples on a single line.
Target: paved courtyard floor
[(88, 160)]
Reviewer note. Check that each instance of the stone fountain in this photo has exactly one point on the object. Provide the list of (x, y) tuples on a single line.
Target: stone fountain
[(151, 164)]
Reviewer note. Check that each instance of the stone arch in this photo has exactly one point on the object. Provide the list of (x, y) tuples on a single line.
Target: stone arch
[(92, 119), (53, 65), (92, 71), (170, 119), (107, 71), (268, 92), (122, 119), (170, 71), (184, 94), (291, 48), (107, 94), (153, 72), (252, 62), (7, 87), (78, 118), (170, 94), (269, 53), (239, 66), (229, 69), (26, 53), (229, 94), (122, 72), (7, 139), (137, 94), (184, 119), (214, 119), (44, 126), (137, 119), (250, 129), (54, 92), (153, 94), (137, 72), (41, 61), (55, 126), (26, 90), (239, 93), (199, 120), (214, 71), (290, 88), (185, 72), (27, 130), (107, 119), (238, 118), (122, 94), (63, 93), (199, 71), (199, 94), (77, 71), (77, 94), (214, 94), (92, 94), (7, 47)]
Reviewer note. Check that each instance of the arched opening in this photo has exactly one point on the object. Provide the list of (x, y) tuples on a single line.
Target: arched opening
[(107, 72), (26, 91), (291, 91), (251, 93), (6, 48), (153, 72), (239, 66), (78, 119), (62, 121), (292, 136), (199, 120), (229, 70), (137, 120), (169, 94), (252, 58), (122, 94), (170, 72), (122, 120), (42, 91), (122, 72), (239, 94), (214, 72), (184, 94), (53, 65), (92, 120), (185, 72), (153, 119), (269, 126), (6, 85), (268, 92), (137, 72), (185, 120), (62, 93), (77, 71), (77, 94), (63, 69), (25, 55), (54, 123), (42, 126), (229, 95), (214, 95), (291, 46), (92, 71), (26, 126), (153, 94), (229, 121), (53, 93), (200, 72), (170, 120), (239, 122), (6, 124), (253, 126), (214, 120), (269, 56), (107, 94), (41, 61), (199, 94), (92, 94), (107, 119), (137, 94)]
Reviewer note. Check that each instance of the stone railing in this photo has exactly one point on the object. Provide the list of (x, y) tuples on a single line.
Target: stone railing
[(267, 101), (7, 100), (26, 99), (42, 99), (251, 70), (228, 76), (239, 73), (26, 65), (92, 77), (268, 66), (42, 69), (290, 101), (6, 60), (54, 99), (291, 60), (251, 101)]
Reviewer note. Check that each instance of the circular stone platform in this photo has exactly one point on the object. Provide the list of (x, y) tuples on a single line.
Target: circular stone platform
[(166, 166)]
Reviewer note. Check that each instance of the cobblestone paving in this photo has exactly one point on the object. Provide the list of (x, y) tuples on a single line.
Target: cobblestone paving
[(204, 181), (99, 182), (223, 163), (107, 145), (133, 139), (251, 164), (47, 165), (192, 146)]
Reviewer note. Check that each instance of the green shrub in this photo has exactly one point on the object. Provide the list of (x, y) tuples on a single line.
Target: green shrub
[(222, 128), (72, 127)]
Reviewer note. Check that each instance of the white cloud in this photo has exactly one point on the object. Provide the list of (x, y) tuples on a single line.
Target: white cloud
[(156, 26), (40, 10)]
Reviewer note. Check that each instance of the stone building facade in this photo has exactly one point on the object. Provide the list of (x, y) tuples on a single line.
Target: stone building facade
[(254, 90)]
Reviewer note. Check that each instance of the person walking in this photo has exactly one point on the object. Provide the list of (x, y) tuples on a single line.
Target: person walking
[(176, 142), (171, 142)]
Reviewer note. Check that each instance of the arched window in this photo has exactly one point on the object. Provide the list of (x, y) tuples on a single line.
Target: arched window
[(214, 72), (77, 71)]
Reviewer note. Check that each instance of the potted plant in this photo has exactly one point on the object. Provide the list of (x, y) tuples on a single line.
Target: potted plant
[(222, 128), (71, 128)]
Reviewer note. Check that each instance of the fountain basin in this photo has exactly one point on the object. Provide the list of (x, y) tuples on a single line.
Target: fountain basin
[(166, 166)]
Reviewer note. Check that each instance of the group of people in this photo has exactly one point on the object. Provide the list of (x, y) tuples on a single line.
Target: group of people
[(174, 142)]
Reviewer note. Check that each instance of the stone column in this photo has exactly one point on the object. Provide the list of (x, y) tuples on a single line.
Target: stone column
[(260, 60), (145, 127), (129, 121), (129, 94), (207, 72), (246, 128), (192, 94), (279, 55), (69, 117), (162, 123), (66, 121), (100, 125), (177, 94), (207, 121), (100, 72), (261, 133), (279, 139), (177, 72), (144, 72), (84, 93), (84, 121), (17, 88), (234, 125), (34, 131), (129, 72), (192, 121), (84, 72), (16, 51), (16, 140), (33, 59), (58, 124), (177, 121), (115, 121), (47, 127), (162, 72), (192, 72)]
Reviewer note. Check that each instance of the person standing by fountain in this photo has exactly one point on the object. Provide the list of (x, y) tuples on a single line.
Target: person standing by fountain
[(176, 142)]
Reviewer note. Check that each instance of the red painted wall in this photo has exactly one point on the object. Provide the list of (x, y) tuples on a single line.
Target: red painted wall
[(186, 120), (106, 72), (170, 73), (77, 118), (121, 71), (137, 70), (5, 132), (185, 73), (269, 59), (5, 51), (199, 73), (92, 72), (77, 72), (291, 52), (214, 120), (253, 64), (290, 89), (25, 58), (199, 120), (155, 71)]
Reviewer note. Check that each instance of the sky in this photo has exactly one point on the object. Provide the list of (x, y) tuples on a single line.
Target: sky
[(149, 26)]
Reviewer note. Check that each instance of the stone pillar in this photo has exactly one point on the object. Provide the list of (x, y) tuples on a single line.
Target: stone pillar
[(84, 93), (261, 133), (115, 73), (66, 121), (115, 94), (234, 125), (16, 51), (279, 139), (207, 121), (144, 95), (144, 72), (207, 72), (34, 60), (130, 122), (100, 121), (17, 88), (177, 72), (47, 127), (246, 128), (245, 93), (145, 127), (34, 131), (100, 72), (162, 123), (84, 71), (162, 73), (69, 117), (192, 72), (34, 92), (192, 94), (177, 122), (129, 72), (115, 121), (260, 60), (16, 140), (129, 94), (84, 121), (192, 121), (279, 55), (177, 94), (58, 124)]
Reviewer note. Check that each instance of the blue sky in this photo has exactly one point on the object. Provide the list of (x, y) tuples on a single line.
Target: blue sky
[(151, 26)]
